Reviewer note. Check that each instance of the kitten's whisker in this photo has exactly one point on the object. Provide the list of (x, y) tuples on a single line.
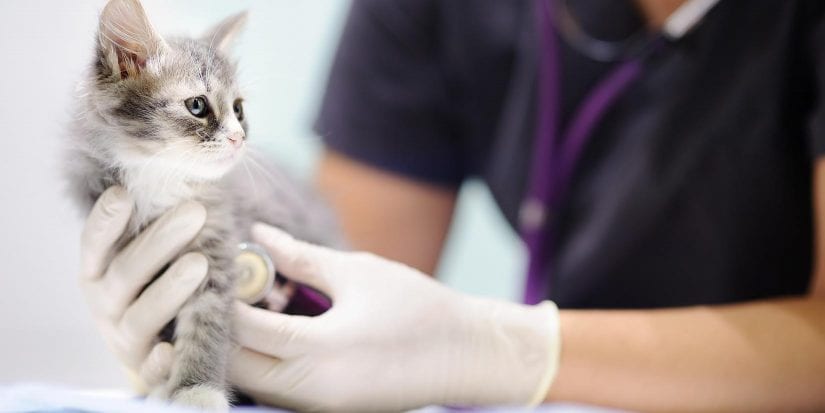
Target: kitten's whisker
[(171, 171), (252, 182), (270, 179), (156, 156), (195, 160)]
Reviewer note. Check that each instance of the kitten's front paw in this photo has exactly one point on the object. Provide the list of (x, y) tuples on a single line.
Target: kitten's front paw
[(202, 397)]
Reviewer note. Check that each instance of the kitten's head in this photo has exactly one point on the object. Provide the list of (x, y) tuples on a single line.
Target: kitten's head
[(166, 103)]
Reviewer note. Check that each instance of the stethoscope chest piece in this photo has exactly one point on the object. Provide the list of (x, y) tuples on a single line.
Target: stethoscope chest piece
[(256, 273)]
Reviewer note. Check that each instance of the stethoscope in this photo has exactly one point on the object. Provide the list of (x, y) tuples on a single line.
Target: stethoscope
[(554, 157), (256, 276), (556, 152), (259, 284)]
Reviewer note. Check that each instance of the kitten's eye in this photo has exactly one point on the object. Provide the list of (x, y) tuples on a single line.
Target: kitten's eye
[(238, 108), (197, 106)]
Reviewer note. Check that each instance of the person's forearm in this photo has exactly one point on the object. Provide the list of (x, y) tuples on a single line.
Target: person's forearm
[(387, 214), (760, 356)]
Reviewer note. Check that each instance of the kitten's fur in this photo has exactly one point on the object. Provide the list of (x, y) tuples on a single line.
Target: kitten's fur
[(133, 129)]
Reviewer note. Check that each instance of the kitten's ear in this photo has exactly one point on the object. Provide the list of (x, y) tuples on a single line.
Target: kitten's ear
[(222, 35), (127, 38)]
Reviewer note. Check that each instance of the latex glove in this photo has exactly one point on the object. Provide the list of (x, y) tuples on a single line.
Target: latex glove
[(128, 319), (394, 339)]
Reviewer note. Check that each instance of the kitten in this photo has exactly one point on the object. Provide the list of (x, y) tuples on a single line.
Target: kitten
[(164, 118)]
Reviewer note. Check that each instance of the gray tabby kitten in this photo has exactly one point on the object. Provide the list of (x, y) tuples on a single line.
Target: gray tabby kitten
[(163, 117)]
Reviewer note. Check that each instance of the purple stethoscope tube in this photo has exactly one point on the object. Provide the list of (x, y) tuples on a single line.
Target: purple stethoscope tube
[(307, 301), (555, 152)]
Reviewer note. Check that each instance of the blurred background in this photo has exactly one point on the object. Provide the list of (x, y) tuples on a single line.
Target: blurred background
[(45, 330)]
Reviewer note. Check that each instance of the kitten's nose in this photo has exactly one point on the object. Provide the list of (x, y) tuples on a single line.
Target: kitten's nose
[(236, 139)]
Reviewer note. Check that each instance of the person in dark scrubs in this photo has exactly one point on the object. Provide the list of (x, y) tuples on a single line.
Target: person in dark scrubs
[(662, 160), (691, 211)]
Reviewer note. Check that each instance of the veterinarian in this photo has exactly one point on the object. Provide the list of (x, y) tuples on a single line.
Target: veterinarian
[(661, 159)]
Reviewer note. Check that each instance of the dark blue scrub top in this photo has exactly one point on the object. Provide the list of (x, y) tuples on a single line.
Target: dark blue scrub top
[(694, 189)]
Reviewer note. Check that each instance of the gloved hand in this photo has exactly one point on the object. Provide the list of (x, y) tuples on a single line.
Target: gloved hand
[(128, 319), (394, 339)]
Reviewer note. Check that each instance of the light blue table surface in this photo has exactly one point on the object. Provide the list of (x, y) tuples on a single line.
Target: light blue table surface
[(38, 397)]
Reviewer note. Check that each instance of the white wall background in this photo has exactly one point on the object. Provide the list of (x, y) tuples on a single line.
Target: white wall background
[(45, 331)]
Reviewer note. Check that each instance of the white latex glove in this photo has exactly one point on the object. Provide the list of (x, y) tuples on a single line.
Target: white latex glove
[(129, 320), (394, 339)]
